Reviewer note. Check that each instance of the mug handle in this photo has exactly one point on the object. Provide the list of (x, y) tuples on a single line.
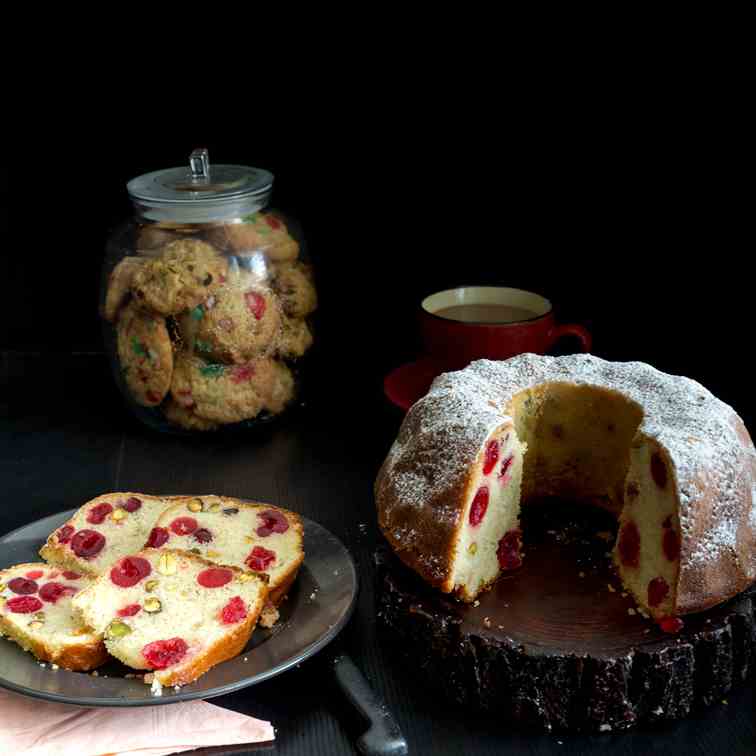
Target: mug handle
[(573, 329)]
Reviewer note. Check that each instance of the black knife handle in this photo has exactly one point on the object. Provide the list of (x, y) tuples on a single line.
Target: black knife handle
[(383, 738)]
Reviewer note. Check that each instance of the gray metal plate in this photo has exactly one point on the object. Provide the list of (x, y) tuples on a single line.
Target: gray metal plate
[(320, 603)]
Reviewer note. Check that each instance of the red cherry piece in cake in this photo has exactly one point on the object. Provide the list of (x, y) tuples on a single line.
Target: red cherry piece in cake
[(35, 574), (505, 465), (23, 586), (203, 535), (658, 590), (273, 522), (65, 533), (260, 559), (23, 604), (491, 457), (241, 373), (255, 303), (182, 526), (671, 624), (628, 545), (508, 551), (51, 592), (129, 571), (214, 577), (658, 470), (132, 504), (98, 513), (479, 506), (273, 222), (153, 398), (671, 545), (157, 537), (130, 610), (87, 543), (163, 653), (234, 611), (68, 575)]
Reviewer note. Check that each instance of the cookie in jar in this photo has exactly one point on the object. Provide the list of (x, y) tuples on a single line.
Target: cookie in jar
[(208, 300)]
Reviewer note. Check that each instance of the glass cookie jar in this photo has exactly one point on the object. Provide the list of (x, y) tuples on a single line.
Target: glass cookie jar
[(207, 299)]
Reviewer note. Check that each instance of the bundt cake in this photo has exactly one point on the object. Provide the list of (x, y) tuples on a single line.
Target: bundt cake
[(674, 463), (173, 612), (36, 612)]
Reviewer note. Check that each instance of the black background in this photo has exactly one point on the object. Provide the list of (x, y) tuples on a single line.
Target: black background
[(619, 201), (615, 193)]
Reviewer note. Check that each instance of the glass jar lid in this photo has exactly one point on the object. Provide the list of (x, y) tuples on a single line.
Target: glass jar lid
[(201, 193)]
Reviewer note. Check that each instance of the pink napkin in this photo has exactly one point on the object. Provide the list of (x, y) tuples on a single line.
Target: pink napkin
[(39, 728)]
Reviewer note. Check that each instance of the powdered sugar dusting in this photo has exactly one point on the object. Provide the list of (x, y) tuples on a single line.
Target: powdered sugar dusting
[(723, 535), (440, 438), (444, 432), (695, 428)]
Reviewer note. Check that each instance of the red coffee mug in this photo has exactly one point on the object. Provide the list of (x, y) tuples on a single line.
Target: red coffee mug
[(453, 344)]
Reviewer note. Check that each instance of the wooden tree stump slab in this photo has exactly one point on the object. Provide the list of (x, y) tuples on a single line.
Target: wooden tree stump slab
[(557, 644)]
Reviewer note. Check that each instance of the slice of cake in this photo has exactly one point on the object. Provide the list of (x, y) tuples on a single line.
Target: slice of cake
[(173, 612), (256, 537), (490, 541), (104, 530), (36, 613)]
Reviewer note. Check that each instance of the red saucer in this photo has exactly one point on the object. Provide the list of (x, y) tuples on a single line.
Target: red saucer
[(408, 383)]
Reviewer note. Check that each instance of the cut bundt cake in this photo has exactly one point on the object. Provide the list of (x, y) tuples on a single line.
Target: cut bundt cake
[(104, 530), (227, 531), (173, 612), (36, 612), (673, 462)]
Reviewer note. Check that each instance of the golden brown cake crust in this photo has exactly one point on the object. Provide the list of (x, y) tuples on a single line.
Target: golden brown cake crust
[(59, 556), (278, 594), (76, 657), (227, 648), (420, 519), (421, 489), (718, 551)]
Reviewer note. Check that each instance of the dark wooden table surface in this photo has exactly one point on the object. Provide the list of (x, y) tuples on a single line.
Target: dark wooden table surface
[(65, 437)]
